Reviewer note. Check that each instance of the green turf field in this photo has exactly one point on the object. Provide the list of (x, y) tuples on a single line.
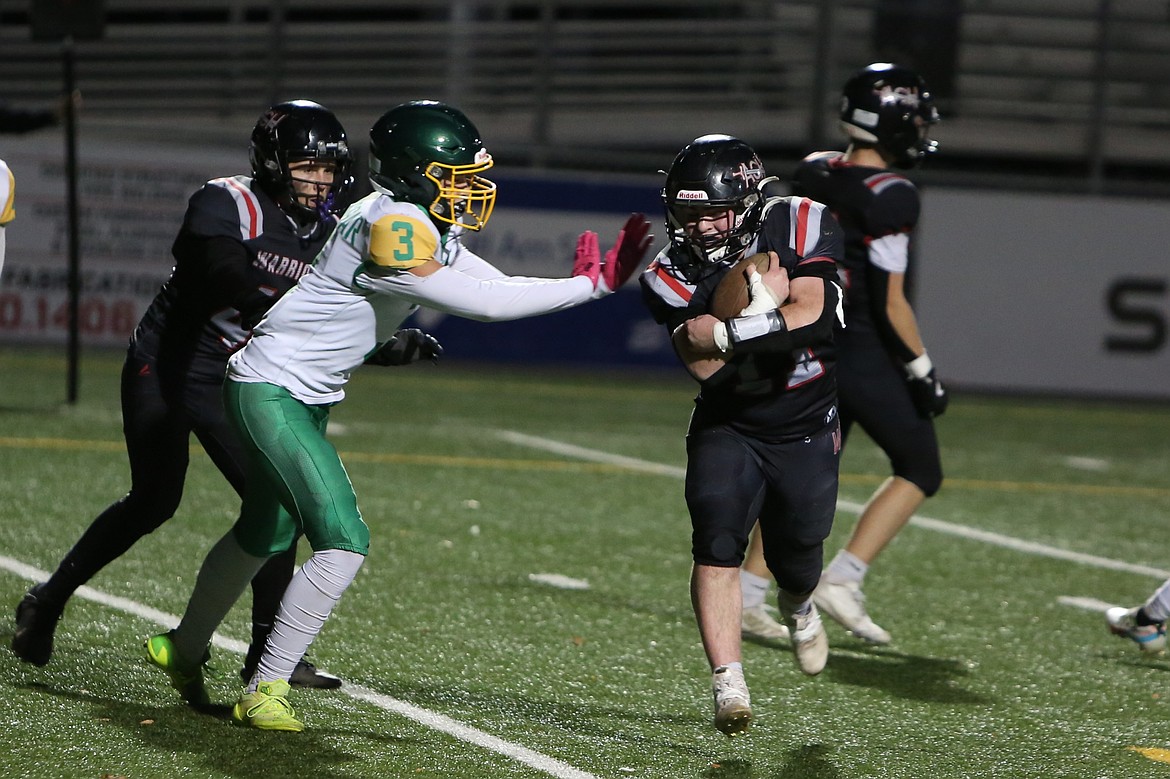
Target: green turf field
[(461, 664)]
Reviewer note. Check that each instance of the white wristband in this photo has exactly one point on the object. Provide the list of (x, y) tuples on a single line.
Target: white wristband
[(920, 367), (722, 340)]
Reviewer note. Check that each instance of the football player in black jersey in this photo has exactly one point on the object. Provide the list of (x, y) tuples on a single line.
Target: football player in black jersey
[(245, 240), (764, 435), (885, 380)]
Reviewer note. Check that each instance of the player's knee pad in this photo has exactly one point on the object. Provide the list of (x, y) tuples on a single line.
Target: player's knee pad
[(147, 510), (719, 547), (925, 473)]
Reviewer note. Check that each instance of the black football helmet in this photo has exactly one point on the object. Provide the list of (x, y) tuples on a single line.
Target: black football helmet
[(430, 154), (890, 107), (710, 173), (294, 131)]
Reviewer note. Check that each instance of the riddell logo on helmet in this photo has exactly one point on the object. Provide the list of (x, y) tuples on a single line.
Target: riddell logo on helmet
[(691, 194)]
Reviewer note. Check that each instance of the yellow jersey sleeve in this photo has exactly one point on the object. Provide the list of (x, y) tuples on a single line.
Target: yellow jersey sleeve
[(399, 241), (7, 195)]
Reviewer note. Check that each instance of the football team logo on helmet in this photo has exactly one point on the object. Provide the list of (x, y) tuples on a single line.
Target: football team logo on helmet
[(430, 154), (891, 108)]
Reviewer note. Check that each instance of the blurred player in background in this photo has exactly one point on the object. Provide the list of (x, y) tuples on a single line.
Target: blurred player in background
[(395, 250), (243, 243), (764, 436), (886, 382), (7, 204)]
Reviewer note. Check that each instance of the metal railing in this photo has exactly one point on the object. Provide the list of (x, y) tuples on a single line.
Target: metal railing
[(1078, 85)]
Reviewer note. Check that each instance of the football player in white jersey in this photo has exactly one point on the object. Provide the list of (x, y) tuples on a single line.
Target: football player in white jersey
[(395, 250), (7, 209)]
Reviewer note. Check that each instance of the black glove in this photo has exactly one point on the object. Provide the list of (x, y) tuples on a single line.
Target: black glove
[(406, 346), (928, 395)]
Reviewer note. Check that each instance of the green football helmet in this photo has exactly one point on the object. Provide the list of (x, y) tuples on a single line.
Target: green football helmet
[(430, 154)]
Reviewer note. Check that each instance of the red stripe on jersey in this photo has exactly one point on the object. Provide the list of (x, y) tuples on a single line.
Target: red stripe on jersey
[(249, 201), (678, 287), (873, 182), (802, 223), (807, 260)]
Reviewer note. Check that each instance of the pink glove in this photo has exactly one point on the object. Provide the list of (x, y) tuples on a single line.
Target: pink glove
[(587, 260), (626, 255)]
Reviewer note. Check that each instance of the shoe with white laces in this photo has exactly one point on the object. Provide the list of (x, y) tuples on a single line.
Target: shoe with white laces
[(757, 623), (733, 702), (844, 602), (267, 709), (809, 641), (1123, 622)]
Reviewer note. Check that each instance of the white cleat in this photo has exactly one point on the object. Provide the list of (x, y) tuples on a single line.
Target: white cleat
[(758, 623), (733, 702), (844, 602), (1123, 622), (809, 641)]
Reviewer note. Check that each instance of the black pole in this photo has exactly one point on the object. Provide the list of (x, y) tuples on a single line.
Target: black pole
[(74, 344)]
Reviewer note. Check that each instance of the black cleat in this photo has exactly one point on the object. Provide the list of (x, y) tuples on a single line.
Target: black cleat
[(36, 621), (304, 675), (308, 675)]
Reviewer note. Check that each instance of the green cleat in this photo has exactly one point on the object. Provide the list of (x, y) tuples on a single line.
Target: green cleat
[(160, 652), (267, 709)]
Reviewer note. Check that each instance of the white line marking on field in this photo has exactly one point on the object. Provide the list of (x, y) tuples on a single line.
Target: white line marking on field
[(1087, 463), (938, 525), (589, 455), (424, 717), (1088, 604), (558, 580)]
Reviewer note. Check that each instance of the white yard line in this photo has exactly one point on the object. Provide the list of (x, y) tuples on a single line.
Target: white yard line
[(962, 531), (425, 717), (1088, 604)]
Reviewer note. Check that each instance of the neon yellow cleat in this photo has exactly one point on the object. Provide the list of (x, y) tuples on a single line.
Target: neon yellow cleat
[(267, 709), (160, 652)]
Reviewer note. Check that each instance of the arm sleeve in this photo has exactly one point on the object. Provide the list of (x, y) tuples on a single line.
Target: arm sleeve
[(221, 266), (471, 264), (486, 300)]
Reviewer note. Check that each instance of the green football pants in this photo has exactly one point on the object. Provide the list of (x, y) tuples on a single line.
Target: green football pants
[(296, 483)]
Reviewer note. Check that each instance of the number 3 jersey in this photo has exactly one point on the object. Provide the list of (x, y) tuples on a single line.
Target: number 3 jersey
[(236, 253), (361, 289), (771, 396)]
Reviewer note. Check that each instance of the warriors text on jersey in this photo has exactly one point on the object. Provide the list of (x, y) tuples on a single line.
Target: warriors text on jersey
[(877, 210), (773, 397), (234, 254), (360, 291)]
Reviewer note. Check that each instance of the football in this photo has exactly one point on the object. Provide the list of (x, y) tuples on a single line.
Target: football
[(731, 295)]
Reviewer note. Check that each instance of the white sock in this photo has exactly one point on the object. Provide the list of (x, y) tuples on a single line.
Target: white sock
[(755, 588), (846, 567), (222, 578), (307, 603), (790, 605), (1157, 607)]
